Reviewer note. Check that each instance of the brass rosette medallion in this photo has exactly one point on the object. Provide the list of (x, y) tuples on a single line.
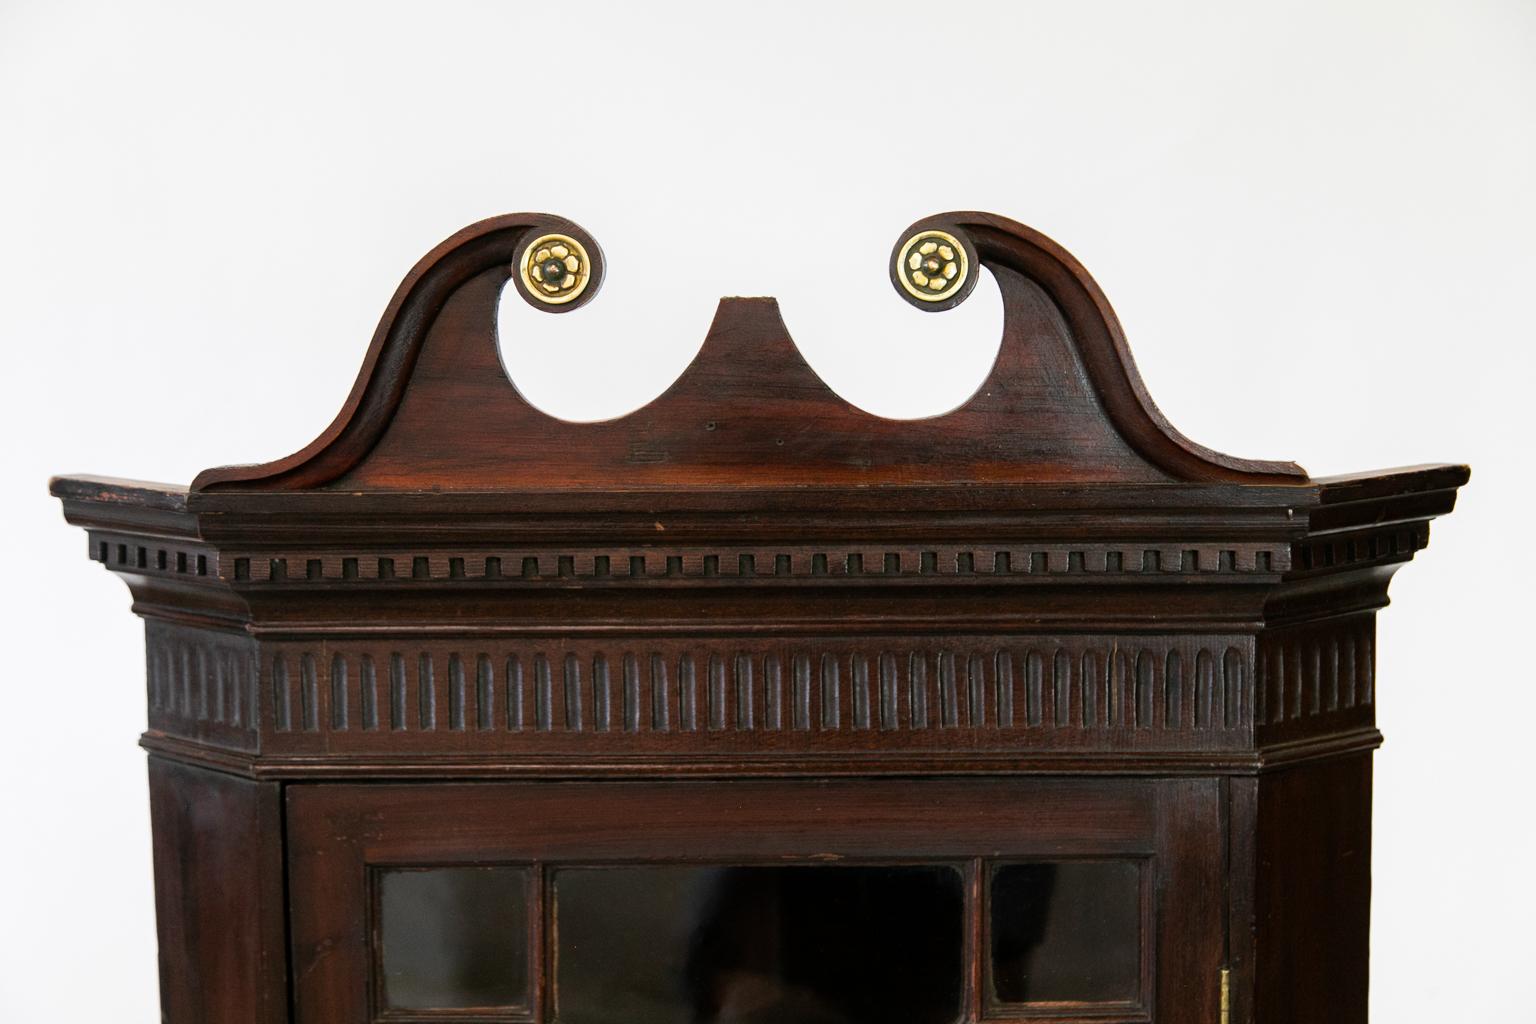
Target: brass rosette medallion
[(932, 266), (555, 269)]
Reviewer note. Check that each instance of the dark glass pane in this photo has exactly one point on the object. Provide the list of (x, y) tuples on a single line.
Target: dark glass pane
[(1067, 932), (454, 937), (758, 945)]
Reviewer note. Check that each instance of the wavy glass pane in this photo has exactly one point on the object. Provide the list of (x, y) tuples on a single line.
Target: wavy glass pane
[(758, 945), (1066, 932), (454, 938)]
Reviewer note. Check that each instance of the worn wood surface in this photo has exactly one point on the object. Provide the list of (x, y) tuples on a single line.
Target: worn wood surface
[(1311, 903), (432, 406), (340, 833), (1045, 620), (219, 895)]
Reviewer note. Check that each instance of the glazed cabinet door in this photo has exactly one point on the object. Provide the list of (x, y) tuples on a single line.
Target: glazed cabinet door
[(783, 902)]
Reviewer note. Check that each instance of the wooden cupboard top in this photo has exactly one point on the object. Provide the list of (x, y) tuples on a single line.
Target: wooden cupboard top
[(749, 465), (750, 574), (1062, 419), (433, 410)]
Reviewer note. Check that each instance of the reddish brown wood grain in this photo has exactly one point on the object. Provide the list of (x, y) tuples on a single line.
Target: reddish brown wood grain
[(219, 896), (1312, 892), (340, 832), (432, 406), (752, 620)]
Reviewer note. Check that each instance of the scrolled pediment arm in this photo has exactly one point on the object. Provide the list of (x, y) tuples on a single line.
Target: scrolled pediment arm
[(1017, 254)]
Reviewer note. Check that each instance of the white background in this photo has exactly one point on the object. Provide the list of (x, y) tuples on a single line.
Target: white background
[(1315, 221)]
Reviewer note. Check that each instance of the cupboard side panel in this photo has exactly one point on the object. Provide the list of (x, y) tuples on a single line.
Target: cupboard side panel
[(218, 896), (1312, 886)]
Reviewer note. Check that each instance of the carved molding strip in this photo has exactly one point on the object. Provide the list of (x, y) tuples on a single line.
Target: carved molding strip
[(1114, 693), (145, 555), (756, 563), (1325, 553), (1068, 693), (203, 684), (150, 556), (1333, 551), (1316, 677)]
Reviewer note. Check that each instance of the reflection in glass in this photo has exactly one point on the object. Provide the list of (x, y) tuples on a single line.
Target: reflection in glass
[(818, 944), (1069, 931), (454, 937)]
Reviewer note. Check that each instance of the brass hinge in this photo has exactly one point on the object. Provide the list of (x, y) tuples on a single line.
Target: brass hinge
[(1226, 996)]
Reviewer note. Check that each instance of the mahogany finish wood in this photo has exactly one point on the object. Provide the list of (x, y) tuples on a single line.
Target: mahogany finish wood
[(339, 830), (752, 621), (218, 894)]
